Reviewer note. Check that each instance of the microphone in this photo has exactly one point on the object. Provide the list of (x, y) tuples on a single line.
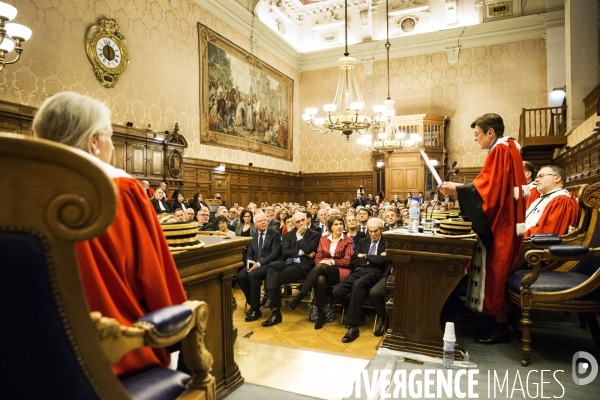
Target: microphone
[(437, 192)]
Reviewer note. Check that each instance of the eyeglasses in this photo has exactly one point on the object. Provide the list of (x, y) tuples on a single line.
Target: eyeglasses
[(540, 176), (477, 133)]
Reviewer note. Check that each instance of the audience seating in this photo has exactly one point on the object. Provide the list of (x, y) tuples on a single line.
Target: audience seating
[(574, 290), (53, 346)]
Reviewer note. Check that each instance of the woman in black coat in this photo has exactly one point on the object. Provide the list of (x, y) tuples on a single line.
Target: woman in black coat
[(197, 202), (179, 201)]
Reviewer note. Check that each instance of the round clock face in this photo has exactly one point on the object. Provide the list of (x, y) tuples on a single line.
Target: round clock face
[(108, 52)]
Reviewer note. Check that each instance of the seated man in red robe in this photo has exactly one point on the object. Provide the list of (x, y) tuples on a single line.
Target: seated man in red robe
[(555, 211), (531, 185)]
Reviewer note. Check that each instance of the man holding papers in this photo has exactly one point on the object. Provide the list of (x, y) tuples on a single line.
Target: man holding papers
[(494, 203)]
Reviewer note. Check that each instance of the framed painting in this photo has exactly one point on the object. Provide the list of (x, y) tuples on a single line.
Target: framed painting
[(245, 104)]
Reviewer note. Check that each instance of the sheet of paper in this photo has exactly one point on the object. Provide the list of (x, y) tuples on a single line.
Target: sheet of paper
[(431, 167)]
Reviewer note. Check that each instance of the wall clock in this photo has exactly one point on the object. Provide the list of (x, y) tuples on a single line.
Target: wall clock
[(106, 49)]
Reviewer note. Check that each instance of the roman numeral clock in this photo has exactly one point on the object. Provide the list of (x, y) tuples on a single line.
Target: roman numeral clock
[(106, 49)]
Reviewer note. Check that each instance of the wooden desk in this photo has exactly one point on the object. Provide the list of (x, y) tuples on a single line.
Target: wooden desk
[(426, 271), (206, 274)]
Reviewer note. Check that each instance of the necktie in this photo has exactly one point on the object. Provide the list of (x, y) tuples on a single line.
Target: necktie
[(364, 229), (322, 228), (260, 247), (373, 249)]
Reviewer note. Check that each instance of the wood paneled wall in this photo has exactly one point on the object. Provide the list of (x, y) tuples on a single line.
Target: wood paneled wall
[(581, 162), (339, 186)]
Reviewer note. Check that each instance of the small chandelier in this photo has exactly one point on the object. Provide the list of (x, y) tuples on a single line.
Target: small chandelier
[(389, 138), (344, 114), (11, 35)]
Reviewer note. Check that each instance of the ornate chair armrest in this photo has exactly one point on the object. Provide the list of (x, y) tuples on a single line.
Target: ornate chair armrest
[(160, 328)]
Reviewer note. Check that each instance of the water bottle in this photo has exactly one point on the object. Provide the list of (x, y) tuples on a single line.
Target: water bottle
[(449, 343), (414, 216)]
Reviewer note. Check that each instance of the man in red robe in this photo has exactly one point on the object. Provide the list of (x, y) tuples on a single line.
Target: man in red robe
[(531, 185), (494, 203), (555, 211)]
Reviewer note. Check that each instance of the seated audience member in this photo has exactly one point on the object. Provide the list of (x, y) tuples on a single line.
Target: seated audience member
[(391, 218), (332, 264), (149, 191), (159, 203), (395, 201), (203, 223), (530, 176), (298, 250), (233, 219), (179, 214), (264, 248), (279, 221), (128, 270), (369, 261), (218, 197), (179, 200), (408, 199), (289, 224), (223, 227), (362, 216), (246, 226), (555, 210), (352, 229), (189, 214), (197, 202), (322, 221), (163, 186)]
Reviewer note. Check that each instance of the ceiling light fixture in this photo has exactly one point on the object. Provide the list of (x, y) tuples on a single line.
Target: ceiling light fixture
[(344, 114), (11, 35)]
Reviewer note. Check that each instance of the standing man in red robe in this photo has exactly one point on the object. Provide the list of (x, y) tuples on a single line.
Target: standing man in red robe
[(494, 203), (555, 210)]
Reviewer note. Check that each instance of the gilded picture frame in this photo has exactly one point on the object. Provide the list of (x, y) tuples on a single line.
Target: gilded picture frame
[(245, 104)]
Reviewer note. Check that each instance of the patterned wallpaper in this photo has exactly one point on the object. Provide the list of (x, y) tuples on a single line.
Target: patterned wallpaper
[(160, 85), (500, 78)]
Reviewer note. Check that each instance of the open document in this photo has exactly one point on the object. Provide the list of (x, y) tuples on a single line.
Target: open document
[(431, 167)]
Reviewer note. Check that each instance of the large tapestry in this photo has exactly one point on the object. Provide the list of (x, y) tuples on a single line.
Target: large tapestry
[(245, 104)]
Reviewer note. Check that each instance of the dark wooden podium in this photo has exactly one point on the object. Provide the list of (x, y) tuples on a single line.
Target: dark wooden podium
[(206, 274), (426, 271)]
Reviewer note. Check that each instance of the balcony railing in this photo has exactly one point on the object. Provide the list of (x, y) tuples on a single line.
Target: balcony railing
[(543, 127)]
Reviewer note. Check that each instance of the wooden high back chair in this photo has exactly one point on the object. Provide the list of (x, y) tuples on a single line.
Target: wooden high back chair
[(53, 346)]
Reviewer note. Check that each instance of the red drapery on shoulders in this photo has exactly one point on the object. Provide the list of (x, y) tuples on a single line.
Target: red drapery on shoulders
[(561, 213), (129, 270)]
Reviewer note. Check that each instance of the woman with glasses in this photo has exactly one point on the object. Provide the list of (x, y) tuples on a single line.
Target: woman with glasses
[(495, 204), (246, 226)]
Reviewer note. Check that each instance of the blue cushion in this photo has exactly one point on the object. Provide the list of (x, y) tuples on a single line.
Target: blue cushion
[(156, 384), (169, 320), (545, 239), (37, 350), (552, 282), (568, 250)]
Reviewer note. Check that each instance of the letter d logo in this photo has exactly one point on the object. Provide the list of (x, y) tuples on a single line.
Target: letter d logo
[(582, 367)]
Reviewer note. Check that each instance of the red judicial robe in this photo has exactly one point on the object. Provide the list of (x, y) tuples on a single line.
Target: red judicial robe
[(497, 185), (129, 270), (533, 196), (560, 213)]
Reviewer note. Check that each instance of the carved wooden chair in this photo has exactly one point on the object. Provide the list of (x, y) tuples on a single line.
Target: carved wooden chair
[(587, 232), (53, 346), (575, 290)]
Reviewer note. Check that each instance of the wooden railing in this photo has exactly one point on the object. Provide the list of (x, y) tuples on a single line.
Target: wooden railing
[(543, 126)]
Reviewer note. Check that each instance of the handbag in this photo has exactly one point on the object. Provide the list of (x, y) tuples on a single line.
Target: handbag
[(329, 311)]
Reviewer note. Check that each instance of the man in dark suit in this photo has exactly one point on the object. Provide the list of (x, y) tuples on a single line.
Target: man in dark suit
[(369, 261), (203, 223), (159, 203), (359, 200), (262, 251), (218, 197), (298, 252), (391, 219), (233, 217)]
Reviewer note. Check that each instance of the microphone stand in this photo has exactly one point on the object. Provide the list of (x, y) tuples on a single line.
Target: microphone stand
[(437, 192)]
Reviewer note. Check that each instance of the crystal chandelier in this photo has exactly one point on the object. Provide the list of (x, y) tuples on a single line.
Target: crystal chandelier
[(344, 114), (11, 35), (389, 138)]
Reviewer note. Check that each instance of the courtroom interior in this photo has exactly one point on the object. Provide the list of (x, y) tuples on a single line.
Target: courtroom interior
[(267, 159)]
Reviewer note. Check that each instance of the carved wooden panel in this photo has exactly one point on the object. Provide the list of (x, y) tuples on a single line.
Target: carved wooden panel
[(137, 156), (119, 155), (156, 158)]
